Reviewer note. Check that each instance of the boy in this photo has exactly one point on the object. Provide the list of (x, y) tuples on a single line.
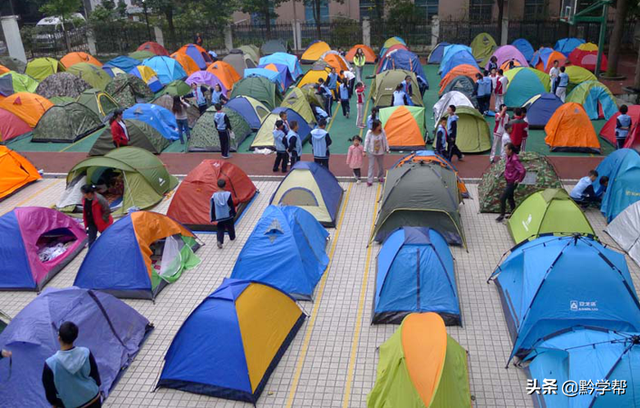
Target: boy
[(519, 129), (280, 140), (484, 92), (344, 100), (320, 142), (553, 76), (325, 92), (223, 212), (506, 138), (441, 137), (502, 118), (96, 212), (349, 78), (583, 192), (452, 133), (623, 125), (294, 143), (500, 89), (285, 122), (563, 83), (223, 126), (332, 82), (514, 173)]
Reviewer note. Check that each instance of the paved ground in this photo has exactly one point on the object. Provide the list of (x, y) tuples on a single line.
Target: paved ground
[(332, 361)]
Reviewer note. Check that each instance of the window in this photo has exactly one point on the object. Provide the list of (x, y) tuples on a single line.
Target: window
[(427, 8), (324, 11), (534, 9), (368, 8), (481, 10)]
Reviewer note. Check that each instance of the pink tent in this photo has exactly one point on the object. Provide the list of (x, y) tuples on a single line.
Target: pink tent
[(206, 78), (11, 126), (507, 53)]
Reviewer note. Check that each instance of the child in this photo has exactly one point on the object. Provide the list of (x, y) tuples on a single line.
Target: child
[(325, 92), (452, 134), (354, 157), (519, 130), (553, 76), (332, 82), (280, 139), (319, 113), (623, 125), (493, 63), (320, 142), (223, 212), (223, 126), (360, 99), (96, 212), (408, 89), (344, 99), (441, 137), (399, 97), (502, 118), (583, 192), (514, 173), (294, 143), (506, 138), (374, 116), (563, 83), (500, 89)]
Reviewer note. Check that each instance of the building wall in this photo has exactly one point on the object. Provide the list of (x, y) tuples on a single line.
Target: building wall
[(285, 11)]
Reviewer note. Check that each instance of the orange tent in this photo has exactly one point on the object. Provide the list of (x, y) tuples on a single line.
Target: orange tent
[(369, 55), (154, 47), (554, 56), (16, 172), (505, 65), (336, 61), (3, 69), (27, 106), (570, 130), (462, 69), (225, 73), (73, 58), (187, 62), (404, 126)]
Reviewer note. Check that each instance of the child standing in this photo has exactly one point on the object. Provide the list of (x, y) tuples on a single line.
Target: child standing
[(399, 97), (441, 137), (223, 126), (280, 139), (500, 89), (623, 125), (294, 143), (506, 138), (514, 173), (374, 116), (320, 142), (354, 157), (223, 212), (344, 99), (360, 99), (502, 118)]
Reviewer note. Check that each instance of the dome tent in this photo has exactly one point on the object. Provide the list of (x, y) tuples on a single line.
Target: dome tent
[(464, 85), (404, 127), (567, 45), (186, 62), (524, 84), (225, 73), (123, 63), (541, 108), (273, 46), (208, 79), (176, 88), (474, 135), (483, 45), (198, 54), (62, 84), (385, 83), (27, 106), (264, 136), (465, 69), (525, 48), (11, 126), (252, 110), (17, 172), (99, 102), (429, 156), (456, 98), (435, 56), (40, 68), (166, 101), (13, 82), (154, 48), (508, 53), (73, 58), (295, 99), (403, 59), (596, 99), (625, 231), (94, 76), (140, 56), (570, 130), (459, 58), (369, 55), (127, 90), (314, 52), (623, 169), (161, 119), (148, 76), (168, 69), (66, 124), (140, 135), (259, 88), (586, 56), (204, 135), (239, 61)]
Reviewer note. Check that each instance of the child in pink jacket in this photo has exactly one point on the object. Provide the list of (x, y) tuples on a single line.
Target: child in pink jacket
[(354, 157)]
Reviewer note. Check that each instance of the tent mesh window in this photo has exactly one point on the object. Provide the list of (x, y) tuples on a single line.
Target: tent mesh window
[(298, 197), (53, 244)]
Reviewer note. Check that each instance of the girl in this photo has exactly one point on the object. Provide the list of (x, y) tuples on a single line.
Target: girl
[(217, 96), (360, 99), (119, 132), (502, 118), (359, 60), (372, 117), (376, 145), (180, 111), (354, 157), (514, 173), (399, 96)]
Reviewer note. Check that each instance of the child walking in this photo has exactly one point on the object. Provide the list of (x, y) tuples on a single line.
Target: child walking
[(223, 211), (502, 118), (360, 99), (280, 139), (344, 99), (354, 157)]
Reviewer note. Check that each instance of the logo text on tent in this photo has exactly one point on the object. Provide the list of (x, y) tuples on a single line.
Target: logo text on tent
[(161, 180), (583, 306), (527, 222)]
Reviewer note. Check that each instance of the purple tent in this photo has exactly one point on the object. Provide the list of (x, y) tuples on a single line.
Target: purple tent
[(201, 57), (508, 53), (207, 78), (111, 329)]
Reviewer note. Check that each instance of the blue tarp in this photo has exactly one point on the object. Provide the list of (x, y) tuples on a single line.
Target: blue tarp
[(403, 59), (552, 284), (542, 109), (168, 69), (435, 57), (415, 274), (525, 48), (287, 250), (459, 58), (566, 45), (623, 169), (111, 329), (450, 50), (124, 63), (291, 61), (244, 108), (161, 119)]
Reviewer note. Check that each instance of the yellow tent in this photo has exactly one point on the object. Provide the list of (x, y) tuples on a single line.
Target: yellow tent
[(314, 52), (312, 76)]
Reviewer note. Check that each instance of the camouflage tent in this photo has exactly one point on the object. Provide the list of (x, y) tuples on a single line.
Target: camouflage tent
[(61, 100), (62, 84), (166, 101), (66, 124), (177, 87), (140, 135), (128, 90), (13, 64), (540, 175), (204, 136)]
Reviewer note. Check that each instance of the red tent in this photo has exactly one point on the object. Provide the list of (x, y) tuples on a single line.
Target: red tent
[(11, 126), (190, 205), (587, 59), (154, 47), (608, 131)]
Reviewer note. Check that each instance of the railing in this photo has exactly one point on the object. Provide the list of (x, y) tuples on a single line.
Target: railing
[(257, 34), (39, 44), (119, 37)]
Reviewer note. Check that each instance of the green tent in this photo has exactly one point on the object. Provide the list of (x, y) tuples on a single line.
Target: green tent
[(482, 48), (140, 135), (296, 100), (141, 55), (474, 135), (91, 74), (66, 124), (61, 100), (62, 84), (175, 88), (13, 64), (19, 82), (420, 195), (166, 101), (311, 93), (385, 84), (99, 102), (550, 211), (252, 51), (146, 180), (259, 88), (540, 175), (128, 90), (40, 68), (421, 366), (204, 136)]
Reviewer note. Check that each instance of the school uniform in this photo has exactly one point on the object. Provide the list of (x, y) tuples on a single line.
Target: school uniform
[(500, 89), (223, 126), (344, 100), (223, 212), (553, 78), (282, 157), (452, 133), (498, 131), (360, 105), (563, 83), (408, 90), (326, 93), (623, 121), (294, 146), (320, 142), (399, 98), (332, 83), (441, 141), (484, 94)]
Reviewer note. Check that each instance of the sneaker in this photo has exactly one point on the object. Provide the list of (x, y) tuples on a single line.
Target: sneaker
[(357, 181), (219, 245), (461, 158), (369, 184), (381, 180), (226, 157), (275, 170), (500, 218)]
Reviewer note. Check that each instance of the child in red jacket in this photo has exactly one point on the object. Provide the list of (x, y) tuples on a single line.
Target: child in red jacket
[(95, 212)]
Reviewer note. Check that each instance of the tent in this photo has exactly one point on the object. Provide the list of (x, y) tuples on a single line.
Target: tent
[(608, 131), (3, 70), (314, 52), (545, 61), (13, 82), (540, 175), (284, 76), (459, 58), (403, 59), (474, 135), (161, 119), (40, 68), (590, 354), (153, 251), (429, 156), (390, 42), (391, 49), (385, 83), (578, 75), (239, 61), (508, 53), (176, 88), (550, 211), (17, 172), (264, 136), (149, 77), (524, 84), (186, 62), (625, 230), (570, 130), (166, 101), (73, 58), (596, 98), (510, 64), (252, 51), (525, 48), (272, 76), (541, 108), (291, 61), (11, 126), (313, 188), (310, 92), (225, 73), (99, 102), (168, 69), (191, 203), (556, 283), (154, 48), (404, 126), (127, 90), (252, 110), (286, 250), (198, 54), (587, 58), (623, 169), (27, 106), (420, 194), (145, 178), (123, 63), (312, 76), (142, 55), (273, 46), (295, 99), (464, 85), (204, 135), (456, 98), (66, 124), (112, 330), (369, 55), (464, 69), (206, 78), (37, 242), (421, 366), (140, 135), (13, 64), (94, 76), (450, 50), (482, 46), (61, 100), (62, 84), (259, 88), (567, 45), (415, 274), (435, 56), (232, 342)]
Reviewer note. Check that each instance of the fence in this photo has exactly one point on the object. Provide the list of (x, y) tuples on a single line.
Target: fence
[(546, 33), (417, 34), (213, 36), (38, 43), (120, 37), (257, 34)]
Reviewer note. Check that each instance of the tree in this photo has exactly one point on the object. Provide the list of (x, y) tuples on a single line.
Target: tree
[(500, 4), (63, 9), (167, 8), (616, 37), (316, 7), (265, 9)]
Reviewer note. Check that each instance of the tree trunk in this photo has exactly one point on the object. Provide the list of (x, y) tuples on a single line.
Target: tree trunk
[(636, 80), (168, 13), (267, 19), (616, 37), (67, 43), (317, 16), (500, 17)]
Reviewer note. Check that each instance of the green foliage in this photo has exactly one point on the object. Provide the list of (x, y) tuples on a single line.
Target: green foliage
[(264, 8), (61, 8), (100, 14)]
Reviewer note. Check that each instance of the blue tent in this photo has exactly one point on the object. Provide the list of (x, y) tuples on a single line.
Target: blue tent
[(252, 110), (159, 118), (287, 250), (231, 343), (291, 61), (415, 274), (623, 169), (566, 45), (450, 50), (459, 58), (542, 55), (285, 76), (552, 284), (403, 59), (112, 330), (524, 85), (168, 69), (540, 108), (435, 57), (272, 76), (153, 82), (122, 62), (589, 354), (392, 41), (525, 48), (594, 97)]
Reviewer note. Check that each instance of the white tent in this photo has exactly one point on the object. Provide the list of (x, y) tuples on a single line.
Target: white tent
[(455, 98), (625, 230)]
